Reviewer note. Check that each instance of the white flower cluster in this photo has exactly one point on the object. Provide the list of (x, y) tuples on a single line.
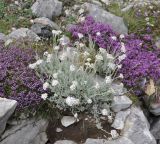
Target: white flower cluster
[(72, 80)]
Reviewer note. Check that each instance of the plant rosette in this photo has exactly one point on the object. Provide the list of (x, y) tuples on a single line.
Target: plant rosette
[(73, 82)]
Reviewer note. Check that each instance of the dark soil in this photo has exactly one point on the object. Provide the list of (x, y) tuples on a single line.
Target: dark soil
[(79, 131)]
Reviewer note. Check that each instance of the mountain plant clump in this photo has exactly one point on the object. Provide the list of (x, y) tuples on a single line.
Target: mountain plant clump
[(73, 79), (17, 81), (141, 62)]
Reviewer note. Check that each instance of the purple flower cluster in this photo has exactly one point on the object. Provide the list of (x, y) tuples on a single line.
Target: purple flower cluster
[(17, 81), (91, 28), (141, 63)]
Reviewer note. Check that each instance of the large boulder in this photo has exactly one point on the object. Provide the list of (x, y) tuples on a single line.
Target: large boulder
[(43, 27), (26, 132), (23, 33), (103, 16), (2, 37), (47, 8), (7, 108), (137, 128), (135, 131)]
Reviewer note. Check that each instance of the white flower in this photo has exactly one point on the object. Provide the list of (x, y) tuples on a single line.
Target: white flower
[(32, 66), (74, 85), (121, 76), (80, 68), (72, 68), (97, 86), (81, 11), (114, 134), (81, 45), (54, 82), (81, 19), (39, 62), (108, 80), (76, 115), (111, 65), (122, 36), (44, 96), (99, 57), (89, 59), (110, 119), (122, 57), (45, 53), (88, 64), (85, 82), (92, 65), (31, 21), (55, 32), (80, 35), (109, 56), (49, 57), (16, 2), (45, 85), (71, 101), (151, 7), (86, 53), (67, 12), (121, 85), (147, 19), (98, 33), (63, 56), (114, 38), (56, 48), (64, 40), (102, 50), (89, 101), (119, 66), (104, 112), (55, 75), (76, 43), (123, 48)]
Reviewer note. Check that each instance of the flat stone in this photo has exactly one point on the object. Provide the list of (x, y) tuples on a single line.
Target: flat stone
[(121, 140), (137, 128), (46, 22), (120, 119), (120, 103), (47, 8), (67, 121), (101, 15), (65, 142), (7, 108), (26, 132), (23, 33)]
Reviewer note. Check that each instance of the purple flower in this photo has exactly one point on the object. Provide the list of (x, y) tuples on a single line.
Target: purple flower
[(142, 59), (17, 81)]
